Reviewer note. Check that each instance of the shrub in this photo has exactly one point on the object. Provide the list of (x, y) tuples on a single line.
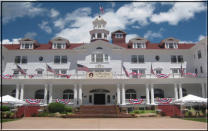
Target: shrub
[(56, 107), (43, 114), (163, 113), (5, 108), (67, 109)]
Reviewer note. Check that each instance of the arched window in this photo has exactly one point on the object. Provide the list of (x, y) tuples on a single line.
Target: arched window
[(68, 94), (13, 93), (158, 93), (99, 35), (130, 94), (39, 94), (184, 92), (99, 48)]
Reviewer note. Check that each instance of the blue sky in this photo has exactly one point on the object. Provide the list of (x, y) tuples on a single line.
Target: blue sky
[(73, 20)]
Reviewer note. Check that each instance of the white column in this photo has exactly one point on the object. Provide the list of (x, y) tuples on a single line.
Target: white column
[(123, 94), (80, 94), (17, 91), (147, 94), (203, 90), (180, 91), (22, 92), (152, 94), (50, 93), (118, 94), (45, 93), (75, 94), (175, 91)]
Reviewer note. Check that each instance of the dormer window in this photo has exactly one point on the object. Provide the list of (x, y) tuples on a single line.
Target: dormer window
[(171, 45), (59, 45), (138, 45), (27, 46), (119, 35), (27, 43)]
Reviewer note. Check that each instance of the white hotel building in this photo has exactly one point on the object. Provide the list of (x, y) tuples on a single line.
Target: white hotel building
[(109, 84)]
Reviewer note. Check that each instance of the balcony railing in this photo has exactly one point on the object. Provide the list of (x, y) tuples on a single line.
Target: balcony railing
[(85, 76), (162, 101)]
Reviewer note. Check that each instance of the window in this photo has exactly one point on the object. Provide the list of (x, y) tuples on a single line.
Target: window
[(158, 71), (99, 57), (93, 36), (196, 72), (171, 45), (173, 59), (158, 93), (27, 46), (157, 58), (57, 59), (105, 36), (134, 72), (118, 35), (108, 99), (142, 71), (175, 70), (39, 94), (13, 93), (180, 58), (199, 54), (24, 59), (99, 48), (130, 94), (99, 35), (68, 94), (201, 69), (138, 45), (39, 72), (184, 92), (134, 59), (141, 58), (16, 72), (59, 45), (64, 59), (17, 59), (40, 58)]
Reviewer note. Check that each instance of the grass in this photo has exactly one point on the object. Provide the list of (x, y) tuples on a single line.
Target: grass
[(197, 119), (142, 111), (7, 120)]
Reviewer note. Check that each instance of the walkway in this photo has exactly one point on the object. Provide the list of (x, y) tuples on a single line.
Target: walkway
[(103, 123)]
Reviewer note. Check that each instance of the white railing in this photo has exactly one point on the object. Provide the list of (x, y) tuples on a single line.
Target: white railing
[(127, 101), (156, 101), (84, 76)]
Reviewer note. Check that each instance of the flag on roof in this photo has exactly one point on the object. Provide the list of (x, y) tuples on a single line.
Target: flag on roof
[(82, 68), (48, 68), (21, 70), (126, 72), (101, 9)]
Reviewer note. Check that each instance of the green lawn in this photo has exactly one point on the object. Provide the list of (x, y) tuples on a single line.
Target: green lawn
[(197, 119)]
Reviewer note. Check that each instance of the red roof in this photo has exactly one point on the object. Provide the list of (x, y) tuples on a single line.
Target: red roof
[(124, 45)]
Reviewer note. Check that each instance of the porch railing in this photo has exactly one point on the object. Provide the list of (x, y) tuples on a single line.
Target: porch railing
[(35, 101), (84, 76), (156, 101), (66, 101)]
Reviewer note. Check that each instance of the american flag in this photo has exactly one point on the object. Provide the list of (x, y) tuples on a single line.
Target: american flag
[(48, 68), (152, 71), (127, 74), (101, 9), (21, 70), (82, 68), (181, 70)]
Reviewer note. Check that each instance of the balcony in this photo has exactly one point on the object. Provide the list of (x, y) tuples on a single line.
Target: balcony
[(96, 75)]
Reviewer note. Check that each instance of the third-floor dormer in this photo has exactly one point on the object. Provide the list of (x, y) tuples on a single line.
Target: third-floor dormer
[(170, 43), (138, 42), (27, 43), (59, 43)]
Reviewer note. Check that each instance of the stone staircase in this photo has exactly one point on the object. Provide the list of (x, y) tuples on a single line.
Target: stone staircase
[(170, 110), (100, 111)]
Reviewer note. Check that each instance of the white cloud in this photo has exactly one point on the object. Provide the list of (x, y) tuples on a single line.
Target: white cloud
[(54, 13), (187, 42), (75, 26), (113, 4), (150, 34), (130, 36), (179, 12), (31, 35), (13, 10), (44, 26), (136, 27), (201, 37), (13, 41)]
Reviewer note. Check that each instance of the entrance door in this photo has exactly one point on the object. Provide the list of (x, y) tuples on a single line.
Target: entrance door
[(99, 99)]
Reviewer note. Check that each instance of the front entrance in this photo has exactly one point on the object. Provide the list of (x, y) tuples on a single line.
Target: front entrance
[(99, 99)]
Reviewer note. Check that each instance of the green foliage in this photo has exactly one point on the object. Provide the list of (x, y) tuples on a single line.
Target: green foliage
[(56, 107), (143, 111), (68, 109), (5, 108), (197, 119), (7, 114), (43, 114)]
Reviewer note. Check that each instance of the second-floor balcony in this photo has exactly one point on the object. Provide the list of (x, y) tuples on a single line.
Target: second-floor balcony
[(98, 75)]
